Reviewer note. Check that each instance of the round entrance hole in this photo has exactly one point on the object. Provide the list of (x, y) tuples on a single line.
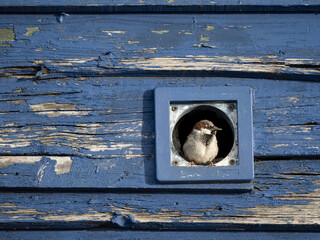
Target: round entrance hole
[(204, 112)]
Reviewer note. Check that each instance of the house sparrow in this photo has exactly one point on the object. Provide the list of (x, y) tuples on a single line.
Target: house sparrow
[(201, 146)]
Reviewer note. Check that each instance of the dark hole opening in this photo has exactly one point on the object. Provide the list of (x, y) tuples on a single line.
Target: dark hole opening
[(184, 126)]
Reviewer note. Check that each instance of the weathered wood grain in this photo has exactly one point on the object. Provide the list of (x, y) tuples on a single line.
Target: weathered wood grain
[(279, 46), (114, 116), (99, 132), (159, 6), (155, 235), (82, 144), (286, 197)]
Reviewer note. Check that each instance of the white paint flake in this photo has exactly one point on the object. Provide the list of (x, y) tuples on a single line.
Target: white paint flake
[(63, 164), (6, 161)]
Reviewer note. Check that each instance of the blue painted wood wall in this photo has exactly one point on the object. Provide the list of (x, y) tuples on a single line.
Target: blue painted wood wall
[(77, 117)]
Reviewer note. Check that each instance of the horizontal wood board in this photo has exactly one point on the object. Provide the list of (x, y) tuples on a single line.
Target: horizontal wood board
[(99, 132), (155, 235), (155, 2), (285, 198), (276, 46), (112, 6)]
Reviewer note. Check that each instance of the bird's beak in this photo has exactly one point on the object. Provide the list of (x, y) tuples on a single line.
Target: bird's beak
[(215, 128)]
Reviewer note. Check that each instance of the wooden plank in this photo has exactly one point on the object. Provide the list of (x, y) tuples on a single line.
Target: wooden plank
[(112, 6), (156, 235), (114, 116), (99, 132), (286, 198), (155, 2), (234, 45)]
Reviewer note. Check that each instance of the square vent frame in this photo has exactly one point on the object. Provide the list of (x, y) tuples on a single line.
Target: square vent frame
[(168, 100)]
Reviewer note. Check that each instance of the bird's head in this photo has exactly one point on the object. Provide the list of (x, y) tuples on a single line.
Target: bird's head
[(206, 127)]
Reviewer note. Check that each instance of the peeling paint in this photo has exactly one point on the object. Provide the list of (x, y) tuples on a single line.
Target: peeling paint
[(112, 146), (271, 56), (7, 205), (131, 156), (38, 49), (308, 138), (52, 106), (40, 172), (149, 51), (110, 33), (16, 143), (79, 137), (194, 62), (64, 113), (305, 129), (312, 147), (53, 109), (28, 214), (209, 28), (5, 45), (18, 101), (301, 214), (280, 145), (93, 215), (300, 61), (90, 128), (67, 62), (31, 31), (293, 99), (63, 164), (133, 42), (10, 124), (203, 38), (160, 32), (6, 35), (6, 161), (259, 214), (276, 203)]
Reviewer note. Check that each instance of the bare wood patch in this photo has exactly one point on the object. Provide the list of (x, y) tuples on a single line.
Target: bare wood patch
[(62, 165)]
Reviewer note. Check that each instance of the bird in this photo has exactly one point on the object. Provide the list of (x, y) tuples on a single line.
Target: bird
[(201, 145)]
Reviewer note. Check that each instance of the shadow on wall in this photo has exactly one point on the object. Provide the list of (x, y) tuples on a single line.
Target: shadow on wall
[(148, 128)]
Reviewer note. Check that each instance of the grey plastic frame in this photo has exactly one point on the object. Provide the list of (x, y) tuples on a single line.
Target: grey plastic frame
[(243, 172)]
